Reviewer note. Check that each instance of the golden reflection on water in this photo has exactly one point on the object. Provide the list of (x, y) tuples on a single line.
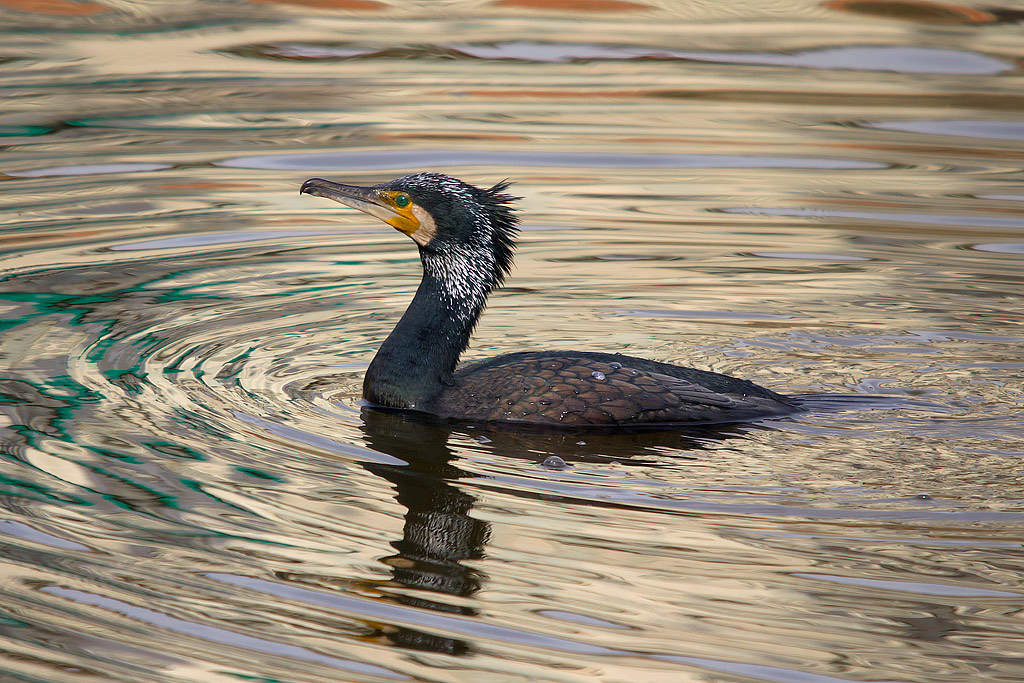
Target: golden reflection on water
[(822, 197)]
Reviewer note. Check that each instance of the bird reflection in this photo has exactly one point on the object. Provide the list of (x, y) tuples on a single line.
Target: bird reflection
[(439, 534)]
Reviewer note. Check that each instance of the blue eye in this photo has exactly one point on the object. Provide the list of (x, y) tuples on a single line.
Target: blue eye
[(402, 201)]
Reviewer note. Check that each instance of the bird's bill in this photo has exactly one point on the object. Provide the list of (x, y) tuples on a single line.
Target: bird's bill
[(377, 203)]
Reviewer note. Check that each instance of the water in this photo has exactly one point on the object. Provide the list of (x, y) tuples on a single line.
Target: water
[(821, 198)]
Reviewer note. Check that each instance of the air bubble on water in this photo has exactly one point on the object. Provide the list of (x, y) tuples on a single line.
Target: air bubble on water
[(554, 462)]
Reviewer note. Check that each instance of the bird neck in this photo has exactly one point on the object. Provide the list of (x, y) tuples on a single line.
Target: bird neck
[(416, 362)]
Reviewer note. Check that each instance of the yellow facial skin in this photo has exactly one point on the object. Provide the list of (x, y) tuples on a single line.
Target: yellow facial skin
[(397, 209), (404, 218)]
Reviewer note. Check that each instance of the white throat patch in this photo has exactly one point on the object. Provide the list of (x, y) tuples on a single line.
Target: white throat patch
[(466, 276)]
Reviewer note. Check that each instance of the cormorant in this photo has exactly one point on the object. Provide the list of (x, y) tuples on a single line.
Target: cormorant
[(466, 236)]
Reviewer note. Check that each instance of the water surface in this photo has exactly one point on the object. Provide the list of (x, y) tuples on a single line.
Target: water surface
[(818, 197)]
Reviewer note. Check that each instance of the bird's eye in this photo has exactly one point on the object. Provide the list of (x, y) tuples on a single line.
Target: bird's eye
[(402, 201)]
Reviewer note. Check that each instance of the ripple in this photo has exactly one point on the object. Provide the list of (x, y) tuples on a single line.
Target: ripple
[(806, 256), (577, 618), (1000, 130), (87, 169), (389, 159), (11, 528), (214, 634), (1002, 197), (320, 442), (702, 315), (218, 238), (407, 615), (897, 58), (924, 11), (590, 258), (777, 674), (882, 216), (24, 131), (234, 121), (913, 586), (1000, 248)]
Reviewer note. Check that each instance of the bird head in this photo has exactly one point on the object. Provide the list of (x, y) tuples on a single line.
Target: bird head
[(440, 213)]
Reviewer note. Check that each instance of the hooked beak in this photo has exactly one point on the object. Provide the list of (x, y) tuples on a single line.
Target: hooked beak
[(365, 199), (407, 218)]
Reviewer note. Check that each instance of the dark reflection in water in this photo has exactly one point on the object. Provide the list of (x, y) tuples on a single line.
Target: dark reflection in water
[(439, 533)]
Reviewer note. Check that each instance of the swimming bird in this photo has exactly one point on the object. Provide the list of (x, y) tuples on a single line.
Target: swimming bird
[(466, 237)]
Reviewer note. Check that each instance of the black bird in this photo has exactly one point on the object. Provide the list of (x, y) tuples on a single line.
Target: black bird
[(466, 236)]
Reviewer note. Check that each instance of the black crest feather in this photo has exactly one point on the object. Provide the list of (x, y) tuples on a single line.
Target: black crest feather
[(505, 223)]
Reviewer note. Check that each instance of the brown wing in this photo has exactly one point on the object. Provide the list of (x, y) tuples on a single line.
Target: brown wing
[(578, 391)]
